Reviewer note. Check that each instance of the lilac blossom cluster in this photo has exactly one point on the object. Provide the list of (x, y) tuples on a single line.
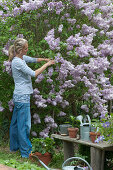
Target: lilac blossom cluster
[(85, 107), (1, 108), (45, 132), (36, 118), (39, 78), (57, 6), (11, 105), (22, 7), (39, 101), (61, 114), (7, 65), (53, 43), (34, 134), (50, 124)]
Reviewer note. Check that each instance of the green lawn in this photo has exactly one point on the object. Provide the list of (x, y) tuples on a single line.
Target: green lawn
[(14, 160)]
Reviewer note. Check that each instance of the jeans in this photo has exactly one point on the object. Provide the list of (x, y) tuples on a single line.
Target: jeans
[(20, 129)]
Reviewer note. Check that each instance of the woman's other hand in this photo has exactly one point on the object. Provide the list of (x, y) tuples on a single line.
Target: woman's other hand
[(51, 62)]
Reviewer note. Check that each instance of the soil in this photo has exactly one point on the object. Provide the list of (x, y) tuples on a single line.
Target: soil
[(3, 167)]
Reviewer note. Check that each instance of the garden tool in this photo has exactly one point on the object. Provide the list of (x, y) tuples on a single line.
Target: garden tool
[(84, 127), (41, 162), (75, 167)]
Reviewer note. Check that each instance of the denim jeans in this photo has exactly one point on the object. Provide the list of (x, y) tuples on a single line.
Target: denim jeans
[(20, 129)]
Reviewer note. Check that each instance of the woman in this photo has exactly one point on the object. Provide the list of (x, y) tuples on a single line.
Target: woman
[(21, 119)]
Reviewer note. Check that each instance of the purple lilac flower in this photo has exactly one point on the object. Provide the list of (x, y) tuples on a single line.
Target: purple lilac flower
[(102, 32), (36, 118), (68, 84), (31, 5), (58, 58), (52, 125), (11, 105), (16, 11), (45, 11), (33, 133), (39, 101), (64, 104), (5, 51), (71, 21), (77, 26), (1, 108), (59, 98), (61, 114), (39, 78), (49, 119), (82, 51), (45, 132), (50, 71), (1, 13), (36, 91), (53, 43), (60, 28), (7, 65), (109, 34), (51, 6), (99, 139), (54, 103), (49, 80), (96, 114), (106, 124), (85, 107)]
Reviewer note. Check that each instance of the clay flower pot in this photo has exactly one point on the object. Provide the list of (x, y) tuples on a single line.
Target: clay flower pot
[(94, 135), (73, 132), (45, 158)]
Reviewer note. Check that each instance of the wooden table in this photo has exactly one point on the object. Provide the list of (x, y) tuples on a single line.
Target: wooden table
[(97, 150)]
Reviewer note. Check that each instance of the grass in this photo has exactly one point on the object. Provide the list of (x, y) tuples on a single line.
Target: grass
[(14, 160)]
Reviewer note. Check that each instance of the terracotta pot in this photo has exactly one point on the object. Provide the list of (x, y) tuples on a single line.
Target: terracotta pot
[(45, 158), (73, 132), (94, 135)]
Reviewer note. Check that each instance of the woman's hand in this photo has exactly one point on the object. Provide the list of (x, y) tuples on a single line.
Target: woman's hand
[(40, 70), (51, 62)]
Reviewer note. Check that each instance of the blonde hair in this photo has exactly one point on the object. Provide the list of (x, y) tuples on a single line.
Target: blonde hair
[(16, 48)]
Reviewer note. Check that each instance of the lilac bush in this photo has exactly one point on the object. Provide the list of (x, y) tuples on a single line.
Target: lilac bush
[(78, 35)]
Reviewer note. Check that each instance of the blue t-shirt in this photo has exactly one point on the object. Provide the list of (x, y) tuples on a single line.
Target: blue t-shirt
[(22, 75)]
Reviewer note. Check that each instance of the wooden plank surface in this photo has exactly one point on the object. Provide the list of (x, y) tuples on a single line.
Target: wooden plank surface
[(68, 149), (102, 145), (97, 158)]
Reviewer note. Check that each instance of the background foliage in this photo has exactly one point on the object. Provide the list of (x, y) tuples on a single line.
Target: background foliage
[(81, 44)]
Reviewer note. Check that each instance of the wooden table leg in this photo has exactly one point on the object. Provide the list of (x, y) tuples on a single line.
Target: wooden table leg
[(68, 149), (97, 158)]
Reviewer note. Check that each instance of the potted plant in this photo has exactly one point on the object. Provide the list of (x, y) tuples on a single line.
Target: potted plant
[(75, 126), (106, 129), (43, 148)]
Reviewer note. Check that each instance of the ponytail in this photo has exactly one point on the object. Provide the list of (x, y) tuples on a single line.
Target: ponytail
[(11, 52), (16, 48)]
